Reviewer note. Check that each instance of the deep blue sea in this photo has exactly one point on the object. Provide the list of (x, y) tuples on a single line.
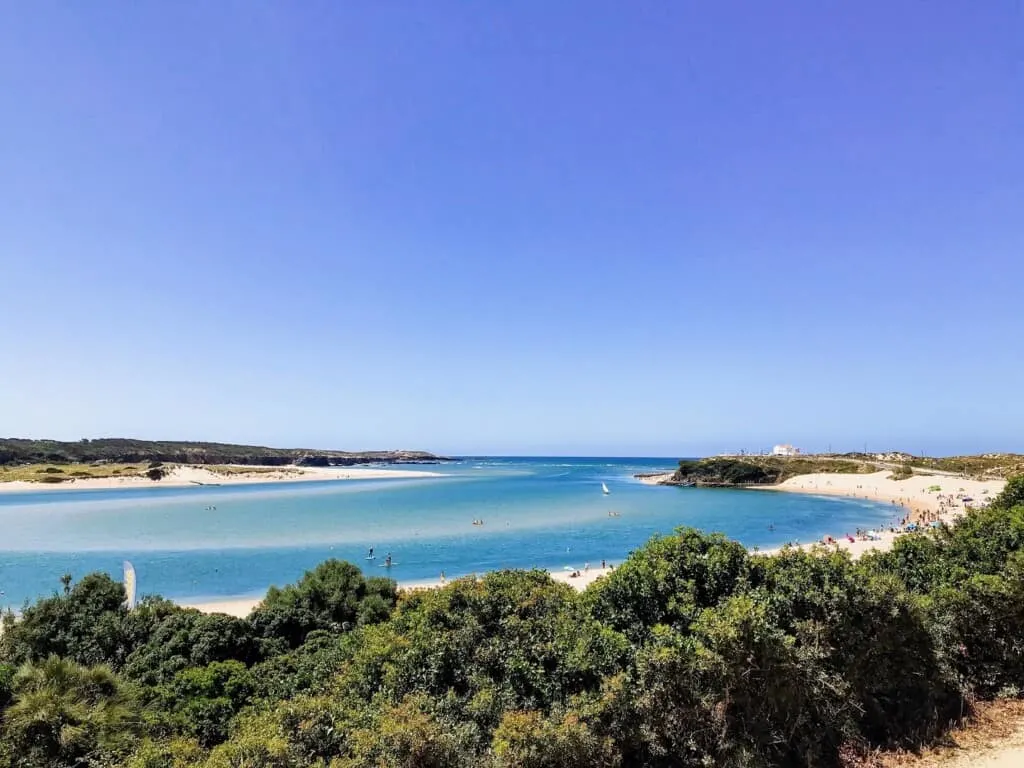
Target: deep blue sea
[(537, 512)]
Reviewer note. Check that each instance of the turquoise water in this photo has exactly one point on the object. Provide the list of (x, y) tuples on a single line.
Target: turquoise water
[(537, 512)]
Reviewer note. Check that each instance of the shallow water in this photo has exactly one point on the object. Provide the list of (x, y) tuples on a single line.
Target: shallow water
[(537, 512)]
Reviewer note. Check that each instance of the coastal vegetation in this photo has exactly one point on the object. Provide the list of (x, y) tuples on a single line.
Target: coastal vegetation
[(982, 466), (16, 451), (759, 470), (59, 473), (692, 653), (902, 472), (228, 470), (754, 469)]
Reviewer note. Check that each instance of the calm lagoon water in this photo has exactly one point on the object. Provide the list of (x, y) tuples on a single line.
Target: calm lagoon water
[(537, 512)]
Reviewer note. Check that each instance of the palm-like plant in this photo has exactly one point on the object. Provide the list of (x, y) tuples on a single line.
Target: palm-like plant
[(64, 713)]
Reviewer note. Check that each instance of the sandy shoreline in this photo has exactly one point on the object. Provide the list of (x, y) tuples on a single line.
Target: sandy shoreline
[(185, 475), (243, 606), (920, 498)]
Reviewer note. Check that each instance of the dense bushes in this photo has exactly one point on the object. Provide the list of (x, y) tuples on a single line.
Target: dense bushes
[(692, 653), (333, 596), (759, 470)]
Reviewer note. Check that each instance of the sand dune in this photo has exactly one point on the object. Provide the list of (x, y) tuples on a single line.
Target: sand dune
[(921, 498), (188, 474)]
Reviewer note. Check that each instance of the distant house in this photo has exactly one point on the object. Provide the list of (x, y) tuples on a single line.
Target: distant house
[(785, 449)]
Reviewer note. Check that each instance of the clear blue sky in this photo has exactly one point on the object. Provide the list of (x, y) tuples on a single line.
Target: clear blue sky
[(585, 227)]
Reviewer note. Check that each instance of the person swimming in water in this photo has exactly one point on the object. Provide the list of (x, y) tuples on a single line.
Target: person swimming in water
[(387, 561)]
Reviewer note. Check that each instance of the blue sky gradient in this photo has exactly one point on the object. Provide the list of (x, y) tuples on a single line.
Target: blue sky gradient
[(525, 228)]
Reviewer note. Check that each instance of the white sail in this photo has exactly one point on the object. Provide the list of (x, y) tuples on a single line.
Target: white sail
[(605, 489), (129, 584)]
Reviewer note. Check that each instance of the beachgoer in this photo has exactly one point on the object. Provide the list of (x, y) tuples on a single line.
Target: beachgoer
[(369, 554), (387, 561), (442, 577), (603, 566)]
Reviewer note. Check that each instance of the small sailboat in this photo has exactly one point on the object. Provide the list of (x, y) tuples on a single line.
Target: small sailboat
[(604, 489)]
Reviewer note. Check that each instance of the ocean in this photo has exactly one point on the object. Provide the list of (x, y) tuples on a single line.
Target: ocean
[(199, 543)]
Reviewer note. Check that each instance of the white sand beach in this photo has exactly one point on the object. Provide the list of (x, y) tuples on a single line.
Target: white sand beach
[(233, 606), (190, 474), (916, 493), (920, 499)]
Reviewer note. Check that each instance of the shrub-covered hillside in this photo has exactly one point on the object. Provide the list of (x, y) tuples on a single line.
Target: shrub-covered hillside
[(122, 450), (759, 470), (692, 653)]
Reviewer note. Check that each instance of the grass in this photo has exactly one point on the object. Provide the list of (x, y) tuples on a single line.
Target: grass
[(57, 473), (242, 469), (985, 466)]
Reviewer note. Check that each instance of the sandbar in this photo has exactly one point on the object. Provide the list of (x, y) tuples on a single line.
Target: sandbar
[(185, 475)]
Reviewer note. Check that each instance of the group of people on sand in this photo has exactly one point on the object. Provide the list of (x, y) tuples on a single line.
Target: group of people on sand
[(586, 567), (948, 503)]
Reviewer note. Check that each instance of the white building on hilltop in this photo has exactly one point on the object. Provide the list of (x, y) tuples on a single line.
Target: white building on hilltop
[(785, 449)]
